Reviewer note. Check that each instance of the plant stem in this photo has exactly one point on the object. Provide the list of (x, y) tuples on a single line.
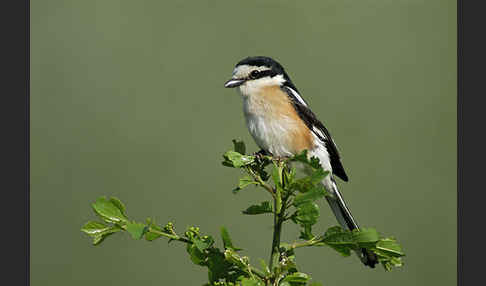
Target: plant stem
[(306, 243), (277, 229), (261, 182), (171, 236), (257, 272), (278, 219)]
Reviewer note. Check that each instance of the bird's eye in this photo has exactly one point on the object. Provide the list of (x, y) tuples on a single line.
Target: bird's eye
[(254, 74)]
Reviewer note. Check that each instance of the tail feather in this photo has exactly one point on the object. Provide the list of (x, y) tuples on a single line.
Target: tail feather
[(347, 221)]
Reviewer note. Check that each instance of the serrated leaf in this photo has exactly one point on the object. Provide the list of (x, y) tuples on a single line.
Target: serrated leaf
[(314, 162), (306, 216), (307, 213), (338, 236), (239, 146), (94, 228), (297, 278), (108, 211), (304, 158), (237, 160), (340, 240), (312, 195), (318, 175), (262, 208), (136, 230)]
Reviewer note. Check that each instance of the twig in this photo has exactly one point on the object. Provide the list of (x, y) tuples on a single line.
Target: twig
[(171, 236)]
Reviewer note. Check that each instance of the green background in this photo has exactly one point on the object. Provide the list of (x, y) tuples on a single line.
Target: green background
[(127, 99)]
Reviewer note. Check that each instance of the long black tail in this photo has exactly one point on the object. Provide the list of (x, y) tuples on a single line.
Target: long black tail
[(346, 220)]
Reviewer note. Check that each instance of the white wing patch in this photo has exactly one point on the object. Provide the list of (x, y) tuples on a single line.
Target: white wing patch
[(319, 132), (297, 95)]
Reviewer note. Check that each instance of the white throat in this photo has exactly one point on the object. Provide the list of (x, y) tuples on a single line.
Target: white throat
[(254, 86)]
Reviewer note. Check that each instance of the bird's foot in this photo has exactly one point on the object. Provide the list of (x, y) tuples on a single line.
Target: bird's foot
[(259, 156)]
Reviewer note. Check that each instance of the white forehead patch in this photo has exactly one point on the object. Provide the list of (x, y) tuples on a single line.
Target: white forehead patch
[(244, 70)]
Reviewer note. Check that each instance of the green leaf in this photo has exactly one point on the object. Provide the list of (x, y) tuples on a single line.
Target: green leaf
[(311, 195), (277, 180), (344, 250), (203, 243), (245, 182), (226, 238), (150, 236), (118, 204), (232, 257), (276, 175), (306, 232), (264, 207), (318, 175), (264, 266), (94, 228), (237, 160), (251, 282), (197, 257), (338, 235), (297, 278), (108, 211), (136, 230), (218, 267), (339, 239), (290, 176), (303, 157), (366, 237), (307, 213), (100, 237), (306, 216), (239, 146), (390, 247), (278, 200)]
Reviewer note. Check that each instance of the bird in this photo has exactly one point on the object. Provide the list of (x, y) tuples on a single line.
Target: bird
[(282, 124)]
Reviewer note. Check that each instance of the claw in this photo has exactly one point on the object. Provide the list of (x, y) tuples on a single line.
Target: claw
[(259, 156)]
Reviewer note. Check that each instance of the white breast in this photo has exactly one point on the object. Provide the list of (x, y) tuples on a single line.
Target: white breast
[(270, 130)]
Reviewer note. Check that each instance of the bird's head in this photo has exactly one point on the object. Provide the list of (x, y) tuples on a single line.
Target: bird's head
[(253, 73)]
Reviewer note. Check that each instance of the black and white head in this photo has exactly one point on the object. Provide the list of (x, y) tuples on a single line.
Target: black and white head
[(253, 73)]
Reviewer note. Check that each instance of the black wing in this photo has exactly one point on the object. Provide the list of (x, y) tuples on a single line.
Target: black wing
[(318, 129)]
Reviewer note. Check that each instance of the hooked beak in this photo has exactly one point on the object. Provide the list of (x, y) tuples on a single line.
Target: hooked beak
[(234, 83)]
